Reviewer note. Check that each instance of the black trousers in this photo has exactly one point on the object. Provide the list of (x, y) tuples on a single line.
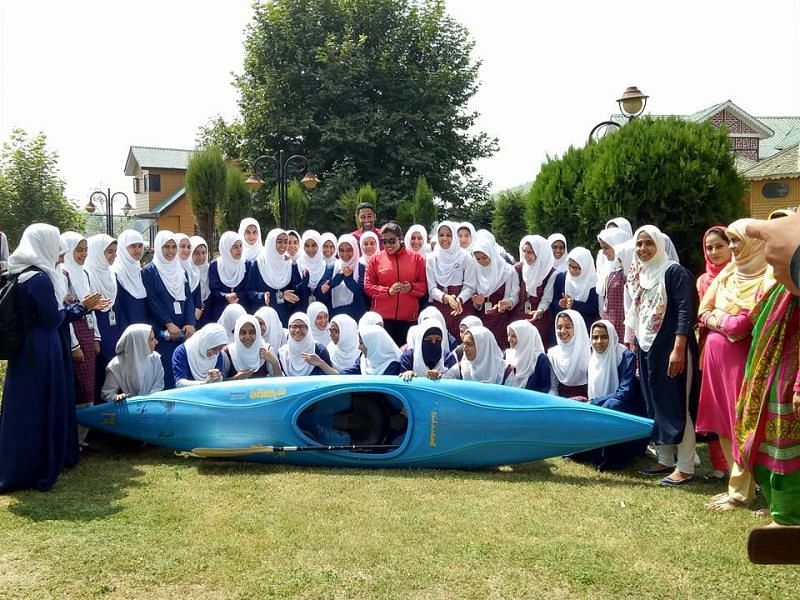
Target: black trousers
[(398, 330)]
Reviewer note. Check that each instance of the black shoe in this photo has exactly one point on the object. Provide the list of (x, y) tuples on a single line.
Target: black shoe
[(657, 470), (670, 482)]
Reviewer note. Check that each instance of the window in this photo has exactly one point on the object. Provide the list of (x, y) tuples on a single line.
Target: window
[(154, 183), (776, 189), (137, 185)]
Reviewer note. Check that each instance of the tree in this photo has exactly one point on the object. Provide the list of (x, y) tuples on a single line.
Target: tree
[(297, 205), (218, 133), (31, 188), (380, 85), (424, 206), (206, 180), (507, 223), (237, 203)]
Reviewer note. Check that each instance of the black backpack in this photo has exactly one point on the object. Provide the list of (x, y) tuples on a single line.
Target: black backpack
[(11, 333)]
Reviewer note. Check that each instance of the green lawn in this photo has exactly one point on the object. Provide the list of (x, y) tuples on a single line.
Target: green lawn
[(134, 522)]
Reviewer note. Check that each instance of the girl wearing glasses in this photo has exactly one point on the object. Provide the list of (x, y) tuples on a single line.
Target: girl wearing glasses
[(302, 356)]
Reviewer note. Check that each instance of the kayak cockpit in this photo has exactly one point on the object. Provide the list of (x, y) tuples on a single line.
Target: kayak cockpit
[(356, 418)]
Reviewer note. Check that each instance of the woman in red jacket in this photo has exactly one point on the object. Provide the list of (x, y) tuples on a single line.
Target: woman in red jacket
[(395, 281)]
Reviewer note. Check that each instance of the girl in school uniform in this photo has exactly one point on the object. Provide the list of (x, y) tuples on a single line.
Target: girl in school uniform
[(292, 244), (482, 360), (272, 331), (328, 247), (199, 359), (250, 234), (569, 358), (170, 307), (416, 240), (344, 348), (576, 289), (274, 279), (428, 355), (379, 354), (127, 268), (316, 273), (301, 355), (227, 277), (369, 246), (536, 272), (527, 366), (466, 235), (185, 250), (558, 245), (136, 369), (248, 355), (497, 286), (318, 315), (200, 265), (370, 318), (347, 285), (228, 319)]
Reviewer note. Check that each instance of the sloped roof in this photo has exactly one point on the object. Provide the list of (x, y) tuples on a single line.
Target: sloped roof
[(785, 163), (782, 126), (742, 163), (169, 201), (149, 157)]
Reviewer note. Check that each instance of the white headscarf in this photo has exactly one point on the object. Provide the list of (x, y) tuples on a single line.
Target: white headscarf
[(275, 269), (101, 278), (492, 276), (488, 366), (242, 357), (420, 368), (136, 368), (648, 289), (315, 265), (381, 350), (559, 264), (321, 336), (231, 271), (192, 274), (431, 312), (622, 224), (523, 358), (669, 248), (426, 248), (78, 278), (197, 347), (202, 270), (448, 265), (291, 353), (613, 237), (471, 321), (250, 251), (570, 360), (579, 287), (370, 318), (465, 225), (40, 248), (341, 295), (604, 368), (345, 354), (368, 234), (228, 319), (329, 237), (170, 272), (127, 269), (275, 335), (534, 274)]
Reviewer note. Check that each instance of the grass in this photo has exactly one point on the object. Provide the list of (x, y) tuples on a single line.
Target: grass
[(142, 523)]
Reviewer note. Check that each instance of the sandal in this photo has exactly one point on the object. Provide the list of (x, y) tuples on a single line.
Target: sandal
[(658, 469)]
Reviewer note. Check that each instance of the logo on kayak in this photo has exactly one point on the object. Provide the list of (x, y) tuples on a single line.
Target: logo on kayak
[(109, 418), (267, 393), (434, 421)]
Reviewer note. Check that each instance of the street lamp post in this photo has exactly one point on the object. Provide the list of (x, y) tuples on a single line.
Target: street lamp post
[(631, 105), (297, 163), (107, 197)]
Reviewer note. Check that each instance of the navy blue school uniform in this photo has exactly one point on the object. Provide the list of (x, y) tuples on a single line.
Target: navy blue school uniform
[(539, 380), (129, 310), (394, 368), (109, 336), (161, 310), (317, 295), (216, 301), (228, 370), (320, 351), (38, 428), (407, 360), (256, 287), (355, 283), (589, 309), (180, 368)]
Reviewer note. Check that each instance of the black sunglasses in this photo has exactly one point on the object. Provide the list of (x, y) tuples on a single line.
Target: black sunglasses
[(389, 240)]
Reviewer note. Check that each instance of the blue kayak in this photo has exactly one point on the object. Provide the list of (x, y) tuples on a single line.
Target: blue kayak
[(365, 421)]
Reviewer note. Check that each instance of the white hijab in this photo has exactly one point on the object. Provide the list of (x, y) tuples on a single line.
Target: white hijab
[(192, 274), (197, 347), (579, 287), (431, 312), (420, 368), (170, 272), (448, 265), (494, 275), (535, 273), (370, 318), (231, 271), (250, 251), (426, 247), (488, 366), (275, 269), (622, 224), (523, 358), (136, 368), (315, 265), (345, 354), (78, 278), (321, 336), (381, 350), (229, 317), (341, 294), (242, 357), (127, 269), (613, 237), (465, 225), (368, 234), (275, 335), (570, 360), (328, 237), (604, 368), (101, 278), (40, 248), (202, 270), (559, 264), (291, 353)]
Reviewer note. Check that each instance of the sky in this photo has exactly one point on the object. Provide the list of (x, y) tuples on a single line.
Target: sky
[(99, 76)]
